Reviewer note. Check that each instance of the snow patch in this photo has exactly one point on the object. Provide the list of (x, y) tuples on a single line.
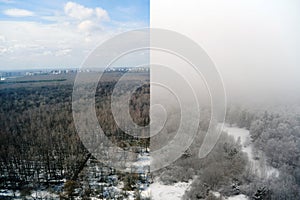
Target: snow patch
[(238, 197), (160, 191)]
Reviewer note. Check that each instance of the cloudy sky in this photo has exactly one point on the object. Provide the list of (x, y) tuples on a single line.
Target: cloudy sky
[(56, 33)]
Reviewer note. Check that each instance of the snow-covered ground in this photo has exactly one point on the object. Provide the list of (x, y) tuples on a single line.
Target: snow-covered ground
[(236, 197), (44, 195), (35, 195), (256, 157), (160, 191), (9, 193), (142, 164)]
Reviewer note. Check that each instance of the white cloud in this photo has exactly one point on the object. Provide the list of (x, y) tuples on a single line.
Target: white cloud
[(3, 50), (2, 38), (15, 12), (86, 25), (7, 1), (27, 44), (47, 53), (63, 52), (87, 20), (102, 14), (78, 11)]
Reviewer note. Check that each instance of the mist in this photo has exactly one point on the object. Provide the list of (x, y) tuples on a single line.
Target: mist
[(253, 44)]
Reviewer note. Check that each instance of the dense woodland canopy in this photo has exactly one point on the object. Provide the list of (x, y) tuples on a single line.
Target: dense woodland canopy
[(40, 148), (39, 145), (277, 134)]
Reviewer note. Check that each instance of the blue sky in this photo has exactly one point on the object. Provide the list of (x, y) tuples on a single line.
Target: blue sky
[(55, 33), (119, 10)]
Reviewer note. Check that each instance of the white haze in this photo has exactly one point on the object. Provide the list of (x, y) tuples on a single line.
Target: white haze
[(254, 44)]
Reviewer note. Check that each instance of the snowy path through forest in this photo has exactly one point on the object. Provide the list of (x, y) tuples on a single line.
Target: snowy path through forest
[(257, 160), (256, 157)]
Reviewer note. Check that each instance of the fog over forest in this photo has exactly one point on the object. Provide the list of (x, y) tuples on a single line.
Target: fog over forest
[(254, 44)]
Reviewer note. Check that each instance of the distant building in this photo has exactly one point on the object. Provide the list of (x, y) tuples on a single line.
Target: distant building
[(56, 72), (127, 69), (29, 73)]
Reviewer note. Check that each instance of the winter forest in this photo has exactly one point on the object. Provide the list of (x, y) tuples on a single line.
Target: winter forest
[(149, 100), (42, 156)]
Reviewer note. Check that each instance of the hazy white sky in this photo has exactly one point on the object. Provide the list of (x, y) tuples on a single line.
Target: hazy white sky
[(255, 44)]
